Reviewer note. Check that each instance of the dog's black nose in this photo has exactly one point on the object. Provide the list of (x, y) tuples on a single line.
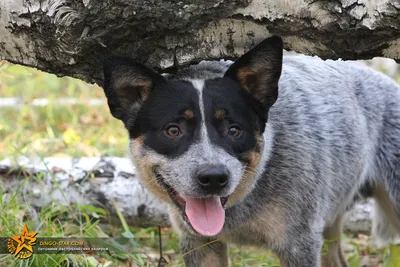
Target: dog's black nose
[(212, 178)]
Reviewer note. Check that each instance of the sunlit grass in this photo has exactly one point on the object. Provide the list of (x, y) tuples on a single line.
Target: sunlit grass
[(55, 130)]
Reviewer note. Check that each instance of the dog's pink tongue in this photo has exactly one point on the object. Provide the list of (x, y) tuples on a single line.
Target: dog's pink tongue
[(206, 215)]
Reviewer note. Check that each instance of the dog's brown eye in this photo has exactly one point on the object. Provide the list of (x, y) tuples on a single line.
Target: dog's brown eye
[(173, 131), (234, 131)]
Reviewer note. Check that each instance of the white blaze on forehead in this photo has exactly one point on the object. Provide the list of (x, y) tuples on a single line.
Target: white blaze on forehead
[(199, 86), (204, 139)]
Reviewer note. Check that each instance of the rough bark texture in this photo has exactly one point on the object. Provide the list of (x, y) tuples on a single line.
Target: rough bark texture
[(71, 37), (99, 181)]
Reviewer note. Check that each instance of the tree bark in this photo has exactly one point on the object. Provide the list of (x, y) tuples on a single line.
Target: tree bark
[(72, 37), (101, 182)]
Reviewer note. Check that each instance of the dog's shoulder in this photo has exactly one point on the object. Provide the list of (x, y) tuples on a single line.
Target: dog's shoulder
[(317, 69), (340, 78)]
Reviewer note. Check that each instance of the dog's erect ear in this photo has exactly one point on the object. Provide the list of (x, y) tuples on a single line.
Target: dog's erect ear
[(127, 84), (258, 71)]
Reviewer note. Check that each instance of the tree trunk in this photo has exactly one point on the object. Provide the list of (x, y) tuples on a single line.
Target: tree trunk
[(100, 182), (72, 37)]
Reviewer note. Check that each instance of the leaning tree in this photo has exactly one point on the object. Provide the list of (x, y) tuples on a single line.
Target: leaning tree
[(71, 37)]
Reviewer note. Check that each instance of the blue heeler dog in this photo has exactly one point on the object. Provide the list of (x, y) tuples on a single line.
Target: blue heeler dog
[(268, 151)]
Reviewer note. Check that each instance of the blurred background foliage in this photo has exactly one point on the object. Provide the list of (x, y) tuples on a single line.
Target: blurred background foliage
[(55, 129)]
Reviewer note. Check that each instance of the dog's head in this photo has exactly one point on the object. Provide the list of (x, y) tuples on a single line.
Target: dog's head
[(196, 138)]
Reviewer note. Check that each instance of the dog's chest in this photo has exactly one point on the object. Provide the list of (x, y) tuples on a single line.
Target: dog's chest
[(246, 237), (266, 229)]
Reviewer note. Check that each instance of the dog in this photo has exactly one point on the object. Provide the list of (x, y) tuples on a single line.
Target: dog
[(266, 151)]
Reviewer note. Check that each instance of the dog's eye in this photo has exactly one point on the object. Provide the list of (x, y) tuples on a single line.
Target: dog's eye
[(173, 131), (234, 131)]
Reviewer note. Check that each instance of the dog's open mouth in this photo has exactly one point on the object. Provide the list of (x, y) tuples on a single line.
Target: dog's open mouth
[(205, 215)]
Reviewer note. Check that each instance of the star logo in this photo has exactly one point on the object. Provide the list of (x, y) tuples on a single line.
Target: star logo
[(21, 245)]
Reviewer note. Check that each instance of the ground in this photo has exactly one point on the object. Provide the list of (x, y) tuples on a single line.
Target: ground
[(62, 129)]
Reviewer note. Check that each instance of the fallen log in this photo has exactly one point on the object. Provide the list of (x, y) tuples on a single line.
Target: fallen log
[(100, 182), (92, 181)]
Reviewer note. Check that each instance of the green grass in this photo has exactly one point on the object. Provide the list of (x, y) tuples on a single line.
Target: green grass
[(82, 130), (55, 130), (56, 221)]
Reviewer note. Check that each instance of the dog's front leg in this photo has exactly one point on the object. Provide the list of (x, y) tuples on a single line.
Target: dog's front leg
[(302, 252), (201, 252)]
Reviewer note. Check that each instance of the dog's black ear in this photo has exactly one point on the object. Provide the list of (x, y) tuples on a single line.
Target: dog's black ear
[(258, 71), (127, 84)]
